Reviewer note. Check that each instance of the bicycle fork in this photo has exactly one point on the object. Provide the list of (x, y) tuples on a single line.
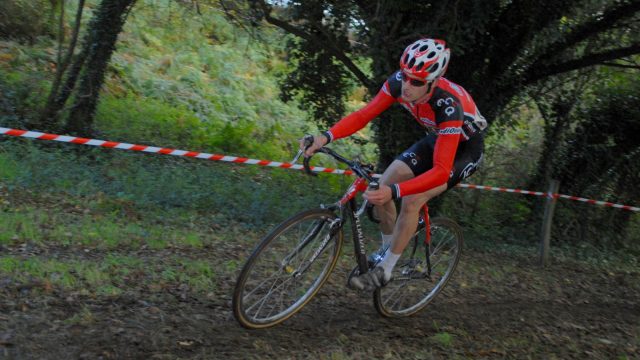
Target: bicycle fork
[(334, 226)]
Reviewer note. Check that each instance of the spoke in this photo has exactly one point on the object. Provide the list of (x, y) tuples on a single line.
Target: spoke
[(281, 301), (408, 293), (299, 259), (437, 261), (287, 269), (261, 302), (257, 287), (266, 296), (303, 242), (397, 298), (440, 244)]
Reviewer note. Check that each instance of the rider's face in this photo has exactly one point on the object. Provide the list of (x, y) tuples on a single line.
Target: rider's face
[(413, 88)]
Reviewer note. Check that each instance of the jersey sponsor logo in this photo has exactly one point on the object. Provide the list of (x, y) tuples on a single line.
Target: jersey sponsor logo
[(427, 121), (450, 131), (470, 168), (449, 102), (412, 156), (399, 76)]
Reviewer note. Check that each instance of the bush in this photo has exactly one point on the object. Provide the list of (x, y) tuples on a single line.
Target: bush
[(23, 20)]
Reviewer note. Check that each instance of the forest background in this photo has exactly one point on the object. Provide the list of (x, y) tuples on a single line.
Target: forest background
[(558, 83)]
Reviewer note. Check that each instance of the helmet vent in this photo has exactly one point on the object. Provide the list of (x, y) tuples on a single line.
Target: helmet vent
[(434, 67), (419, 66), (406, 58), (424, 47), (431, 54), (415, 46), (411, 62)]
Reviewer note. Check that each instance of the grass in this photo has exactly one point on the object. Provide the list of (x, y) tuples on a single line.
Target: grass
[(20, 227), (109, 242), (120, 184), (111, 275), (443, 339), (96, 247)]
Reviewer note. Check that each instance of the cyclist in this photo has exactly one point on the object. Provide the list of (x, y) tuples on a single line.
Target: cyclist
[(450, 152)]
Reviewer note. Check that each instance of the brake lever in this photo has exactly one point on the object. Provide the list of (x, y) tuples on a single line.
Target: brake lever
[(374, 185), (308, 141), (298, 154)]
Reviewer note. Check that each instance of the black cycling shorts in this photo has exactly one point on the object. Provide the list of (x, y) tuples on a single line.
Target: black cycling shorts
[(419, 157)]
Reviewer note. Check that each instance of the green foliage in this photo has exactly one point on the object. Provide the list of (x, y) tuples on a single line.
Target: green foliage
[(150, 121), (600, 160), (25, 20), (220, 84), (318, 81), (22, 88), (504, 47)]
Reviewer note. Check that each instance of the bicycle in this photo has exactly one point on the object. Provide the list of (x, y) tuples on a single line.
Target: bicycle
[(293, 261)]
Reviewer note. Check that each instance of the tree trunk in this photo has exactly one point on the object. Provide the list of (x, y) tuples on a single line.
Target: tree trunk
[(100, 45)]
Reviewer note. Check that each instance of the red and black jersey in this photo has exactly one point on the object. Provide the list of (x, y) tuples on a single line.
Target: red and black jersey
[(450, 111)]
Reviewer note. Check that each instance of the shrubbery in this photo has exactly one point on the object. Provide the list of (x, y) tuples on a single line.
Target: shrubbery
[(25, 20)]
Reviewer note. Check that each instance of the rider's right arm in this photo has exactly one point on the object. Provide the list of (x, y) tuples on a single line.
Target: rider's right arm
[(358, 119)]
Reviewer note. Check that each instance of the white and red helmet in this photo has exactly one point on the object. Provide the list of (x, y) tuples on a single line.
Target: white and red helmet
[(426, 59)]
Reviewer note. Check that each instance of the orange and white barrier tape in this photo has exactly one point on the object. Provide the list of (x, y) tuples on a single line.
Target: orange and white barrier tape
[(163, 151), (243, 160), (561, 196)]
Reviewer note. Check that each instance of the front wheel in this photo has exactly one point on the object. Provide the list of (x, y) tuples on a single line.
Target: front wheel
[(287, 268), (419, 275)]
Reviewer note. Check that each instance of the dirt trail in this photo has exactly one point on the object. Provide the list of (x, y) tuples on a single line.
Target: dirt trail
[(496, 306)]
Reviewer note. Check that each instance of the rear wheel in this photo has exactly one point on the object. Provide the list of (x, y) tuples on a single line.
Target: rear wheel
[(287, 268), (414, 283)]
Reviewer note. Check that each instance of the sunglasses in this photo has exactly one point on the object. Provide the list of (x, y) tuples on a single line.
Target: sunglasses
[(412, 81)]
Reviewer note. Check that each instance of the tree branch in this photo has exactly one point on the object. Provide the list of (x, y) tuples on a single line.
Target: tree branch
[(327, 45), (592, 27), (49, 113), (60, 34), (621, 65), (233, 18), (587, 60), (514, 29)]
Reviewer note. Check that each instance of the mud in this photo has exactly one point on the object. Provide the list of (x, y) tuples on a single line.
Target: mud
[(497, 306)]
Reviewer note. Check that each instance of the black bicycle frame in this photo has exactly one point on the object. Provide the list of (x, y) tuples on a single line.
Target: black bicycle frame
[(358, 236)]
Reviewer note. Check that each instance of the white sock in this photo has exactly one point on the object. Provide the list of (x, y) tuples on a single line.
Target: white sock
[(386, 239), (388, 262)]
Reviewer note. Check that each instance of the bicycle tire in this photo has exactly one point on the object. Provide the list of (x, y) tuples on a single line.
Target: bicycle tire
[(412, 288), (289, 255)]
